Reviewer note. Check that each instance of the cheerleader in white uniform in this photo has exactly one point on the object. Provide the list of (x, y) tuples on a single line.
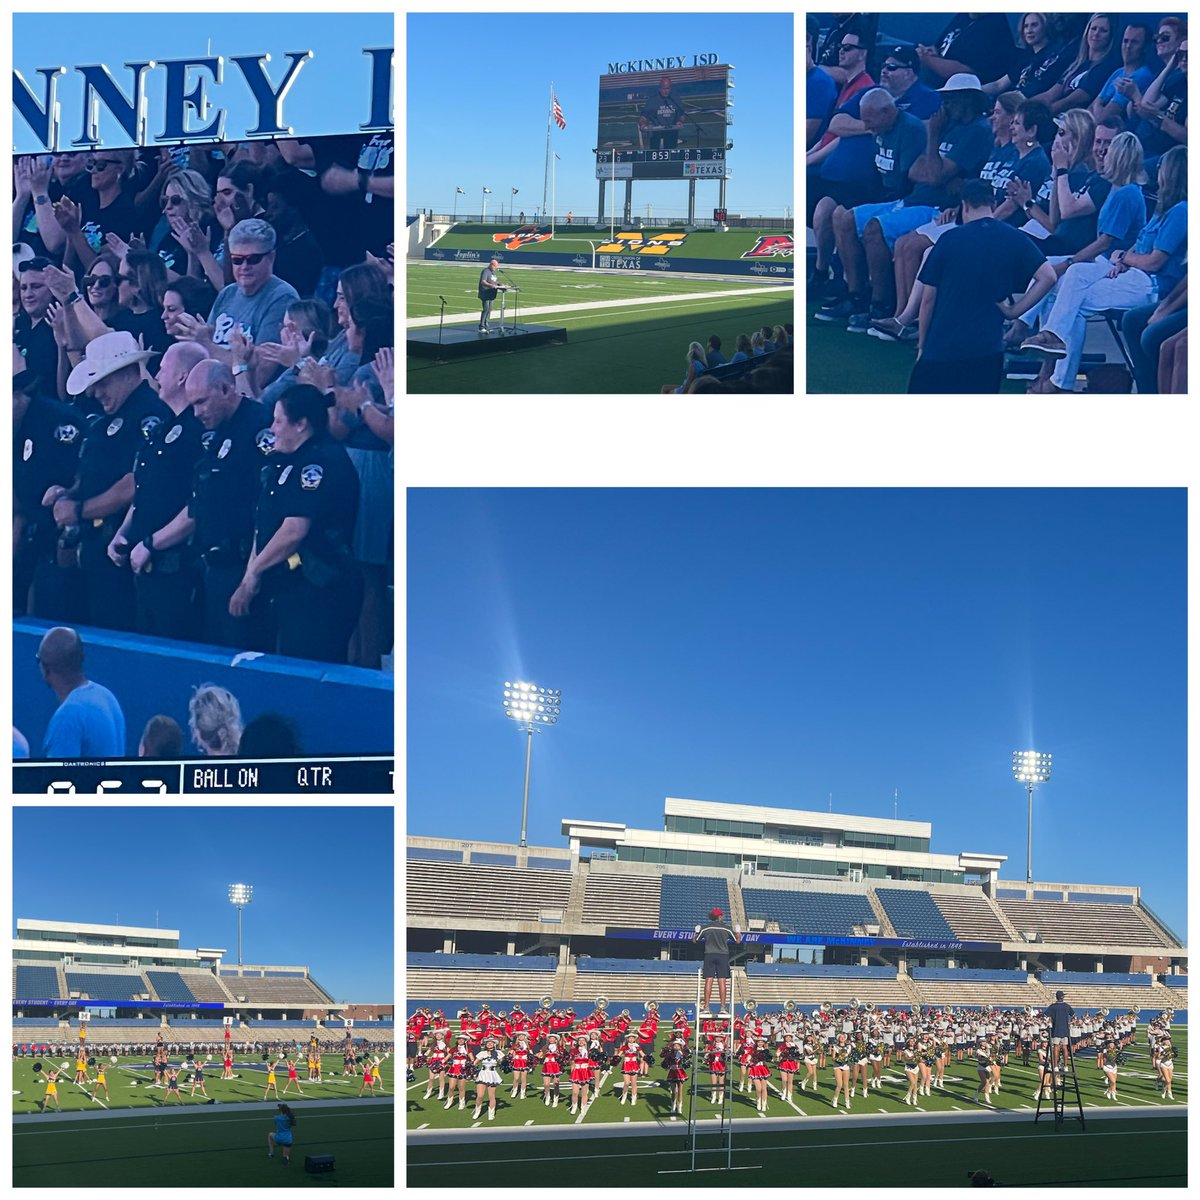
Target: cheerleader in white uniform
[(487, 1077), (1166, 1065), (520, 1066), (581, 1075), (839, 1057), (1109, 1058), (631, 1064), (983, 1066), (911, 1062), (811, 1056)]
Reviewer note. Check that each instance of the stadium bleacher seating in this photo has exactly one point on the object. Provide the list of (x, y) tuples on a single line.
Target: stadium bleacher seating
[(688, 899), (1083, 923), (432, 976), (628, 901), (450, 889), (35, 983), (971, 917), (107, 986), (278, 991), (913, 914), (809, 912), (170, 986)]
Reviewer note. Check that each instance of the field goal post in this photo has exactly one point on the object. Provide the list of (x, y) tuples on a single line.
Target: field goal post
[(591, 243)]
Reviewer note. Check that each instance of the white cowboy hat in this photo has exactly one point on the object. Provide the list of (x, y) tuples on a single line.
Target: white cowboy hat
[(105, 354)]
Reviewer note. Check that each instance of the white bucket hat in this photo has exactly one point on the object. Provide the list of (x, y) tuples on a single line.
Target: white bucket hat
[(105, 354), (963, 82)]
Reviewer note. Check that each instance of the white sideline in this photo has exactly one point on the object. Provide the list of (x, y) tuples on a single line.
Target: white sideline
[(594, 305)]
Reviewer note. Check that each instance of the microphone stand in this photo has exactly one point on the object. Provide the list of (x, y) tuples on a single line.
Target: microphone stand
[(441, 320)]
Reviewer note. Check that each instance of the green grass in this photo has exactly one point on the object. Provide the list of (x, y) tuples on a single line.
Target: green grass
[(570, 238), (630, 349), (1026, 1154), (135, 1148)]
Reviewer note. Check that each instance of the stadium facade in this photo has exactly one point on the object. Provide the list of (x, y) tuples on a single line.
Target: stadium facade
[(831, 903)]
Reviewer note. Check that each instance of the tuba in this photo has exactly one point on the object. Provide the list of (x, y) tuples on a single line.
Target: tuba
[(652, 1006), (751, 1005), (601, 1003), (854, 1004), (789, 1006), (1133, 1012), (625, 1013), (1028, 1011), (915, 1010), (870, 1006), (547, 1002), (827, 1006), (1103, 1014)]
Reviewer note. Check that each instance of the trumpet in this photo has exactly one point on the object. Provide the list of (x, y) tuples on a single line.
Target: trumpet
[(601, 1003), (546, 1002)]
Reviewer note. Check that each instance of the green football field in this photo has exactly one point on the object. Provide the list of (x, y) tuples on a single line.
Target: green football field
[(1027, 1154), (625, 332), (147, 1141)]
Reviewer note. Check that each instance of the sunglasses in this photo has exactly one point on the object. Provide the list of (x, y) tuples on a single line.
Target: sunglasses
[(890, 66), (98, 281), (33, 264), (170, 201), (98, 164), (250, 260), (850, 46), (1163, 37)]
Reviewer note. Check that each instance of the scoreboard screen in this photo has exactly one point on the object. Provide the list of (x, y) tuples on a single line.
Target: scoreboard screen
[(651, 118)]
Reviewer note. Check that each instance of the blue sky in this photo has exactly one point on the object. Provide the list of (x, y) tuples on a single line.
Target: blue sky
[(479, 92), (775, 647), (331, 911), (330, 93)]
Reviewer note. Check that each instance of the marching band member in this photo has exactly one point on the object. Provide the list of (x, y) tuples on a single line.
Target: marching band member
[(983, 1060), (551, 1058), (839, 1057), (760, 1072), (631, 1062), (910, 1060), (789, 1064), (436, 1062), (581, 1074), (457, 1071), (487, 1077), (1109, 1058), (677, 1062), (717, 1068), (811, 1056), (520, 1066)]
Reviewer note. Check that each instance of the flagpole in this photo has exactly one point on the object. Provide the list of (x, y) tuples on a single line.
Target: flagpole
[(553, 200), (546, 172)]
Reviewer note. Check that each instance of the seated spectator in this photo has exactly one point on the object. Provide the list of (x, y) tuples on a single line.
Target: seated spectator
[(768, 342), (708, 383), (1039, 61), (827, 49), (851, 77), (215, 720), (298, 255), (305, 333), (776, 374), (162, 738), (1134, 69), (270, 735), (1129, 278), (714, 356), (695, 366), (1159, 116), (88, 722), (821, 92), (1032, 130), (757, 343), (1172, 365), (186, 296), (779, 337), (968, 277), (741, 350), (1097, 58), (79, 230), (978, 44), (100, 286), (1146, 328)]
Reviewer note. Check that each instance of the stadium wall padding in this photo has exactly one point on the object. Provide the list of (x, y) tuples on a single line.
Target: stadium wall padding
[(337, 709), (678, 266)]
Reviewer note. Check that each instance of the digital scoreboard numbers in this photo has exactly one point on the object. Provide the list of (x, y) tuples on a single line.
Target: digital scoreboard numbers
[(668, 124), (362, 775)]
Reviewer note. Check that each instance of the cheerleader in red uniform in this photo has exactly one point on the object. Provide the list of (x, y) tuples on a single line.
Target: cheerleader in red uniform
[(811, 1056), (596, 1057), (789, 1064), (675, 1059), (438, 1055), (745, 1057), (458, 1071), (718, 1068), (631, 1059), (581, 1074), (760, 1073), (551, 1058), (839, 1057), (227, 1063), (520, 1066)]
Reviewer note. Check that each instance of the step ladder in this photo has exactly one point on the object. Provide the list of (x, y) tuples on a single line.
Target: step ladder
[(1058, 1081)]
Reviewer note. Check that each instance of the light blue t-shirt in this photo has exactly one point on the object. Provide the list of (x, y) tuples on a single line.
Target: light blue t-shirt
[(1142, 76), (87, 724), (1169, 234), (1123, 215)]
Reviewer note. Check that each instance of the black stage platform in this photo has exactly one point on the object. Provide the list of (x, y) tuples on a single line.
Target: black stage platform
[(460, 340)]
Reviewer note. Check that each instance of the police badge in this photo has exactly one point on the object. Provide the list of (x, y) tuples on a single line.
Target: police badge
[(311, 476)]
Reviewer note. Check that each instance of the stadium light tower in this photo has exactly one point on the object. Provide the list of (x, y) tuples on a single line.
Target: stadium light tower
[(1030, 767), (532, 707), (240, 894)]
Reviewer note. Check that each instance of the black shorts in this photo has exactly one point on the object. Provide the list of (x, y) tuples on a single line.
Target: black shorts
[(716, 966)]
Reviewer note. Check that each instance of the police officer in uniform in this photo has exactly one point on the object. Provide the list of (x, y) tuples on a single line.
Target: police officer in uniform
[(91, 511), (47, 435), (163, 580), (304, 527), (218, 515)]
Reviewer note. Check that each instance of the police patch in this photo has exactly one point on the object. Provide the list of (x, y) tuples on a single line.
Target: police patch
[(173, 434), (283, 475), (226, 446), (66, 433), (27, 453), (150, 426), (206, 437), (115, 426), (311, 476), (265, 441)]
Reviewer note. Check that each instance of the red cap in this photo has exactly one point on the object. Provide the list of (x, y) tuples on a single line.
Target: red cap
[(716, 914)]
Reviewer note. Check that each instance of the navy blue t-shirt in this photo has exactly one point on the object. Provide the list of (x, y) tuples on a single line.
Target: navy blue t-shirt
[(983, 43), (896, 151), (1092, 78), (1150, 133), (853, 158), (968, 146), (1073, 233), (973, 267)]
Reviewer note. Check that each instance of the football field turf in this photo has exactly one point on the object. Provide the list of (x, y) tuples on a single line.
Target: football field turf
[(910, 1149), (626, 332)]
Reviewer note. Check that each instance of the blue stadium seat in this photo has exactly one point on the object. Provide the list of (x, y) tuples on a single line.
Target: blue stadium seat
[(37, 983), (914, 914), (809, 912), (688, 899)]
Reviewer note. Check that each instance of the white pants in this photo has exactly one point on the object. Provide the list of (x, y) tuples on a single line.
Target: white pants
[(1084, 290)]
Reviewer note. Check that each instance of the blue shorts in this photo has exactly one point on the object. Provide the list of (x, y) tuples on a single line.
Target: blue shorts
[(283, 1139), (894, 219)]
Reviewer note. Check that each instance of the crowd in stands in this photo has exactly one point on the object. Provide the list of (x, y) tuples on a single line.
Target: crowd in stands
[(203, 393), (987, 196), (709, 370)]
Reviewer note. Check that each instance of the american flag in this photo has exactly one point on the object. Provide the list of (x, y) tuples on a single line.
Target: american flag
[(559, 119)]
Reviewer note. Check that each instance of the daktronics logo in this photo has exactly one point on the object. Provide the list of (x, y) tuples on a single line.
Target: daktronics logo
[(526, 235), (638, 243), (772, 246)]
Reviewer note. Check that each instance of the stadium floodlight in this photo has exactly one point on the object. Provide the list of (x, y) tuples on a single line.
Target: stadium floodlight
[(1030, 767), (532, 708), (240, 894)]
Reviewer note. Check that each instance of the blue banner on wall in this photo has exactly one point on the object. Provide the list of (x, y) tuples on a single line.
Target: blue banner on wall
[(802, 939), (109, 1004), (622, 262)]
